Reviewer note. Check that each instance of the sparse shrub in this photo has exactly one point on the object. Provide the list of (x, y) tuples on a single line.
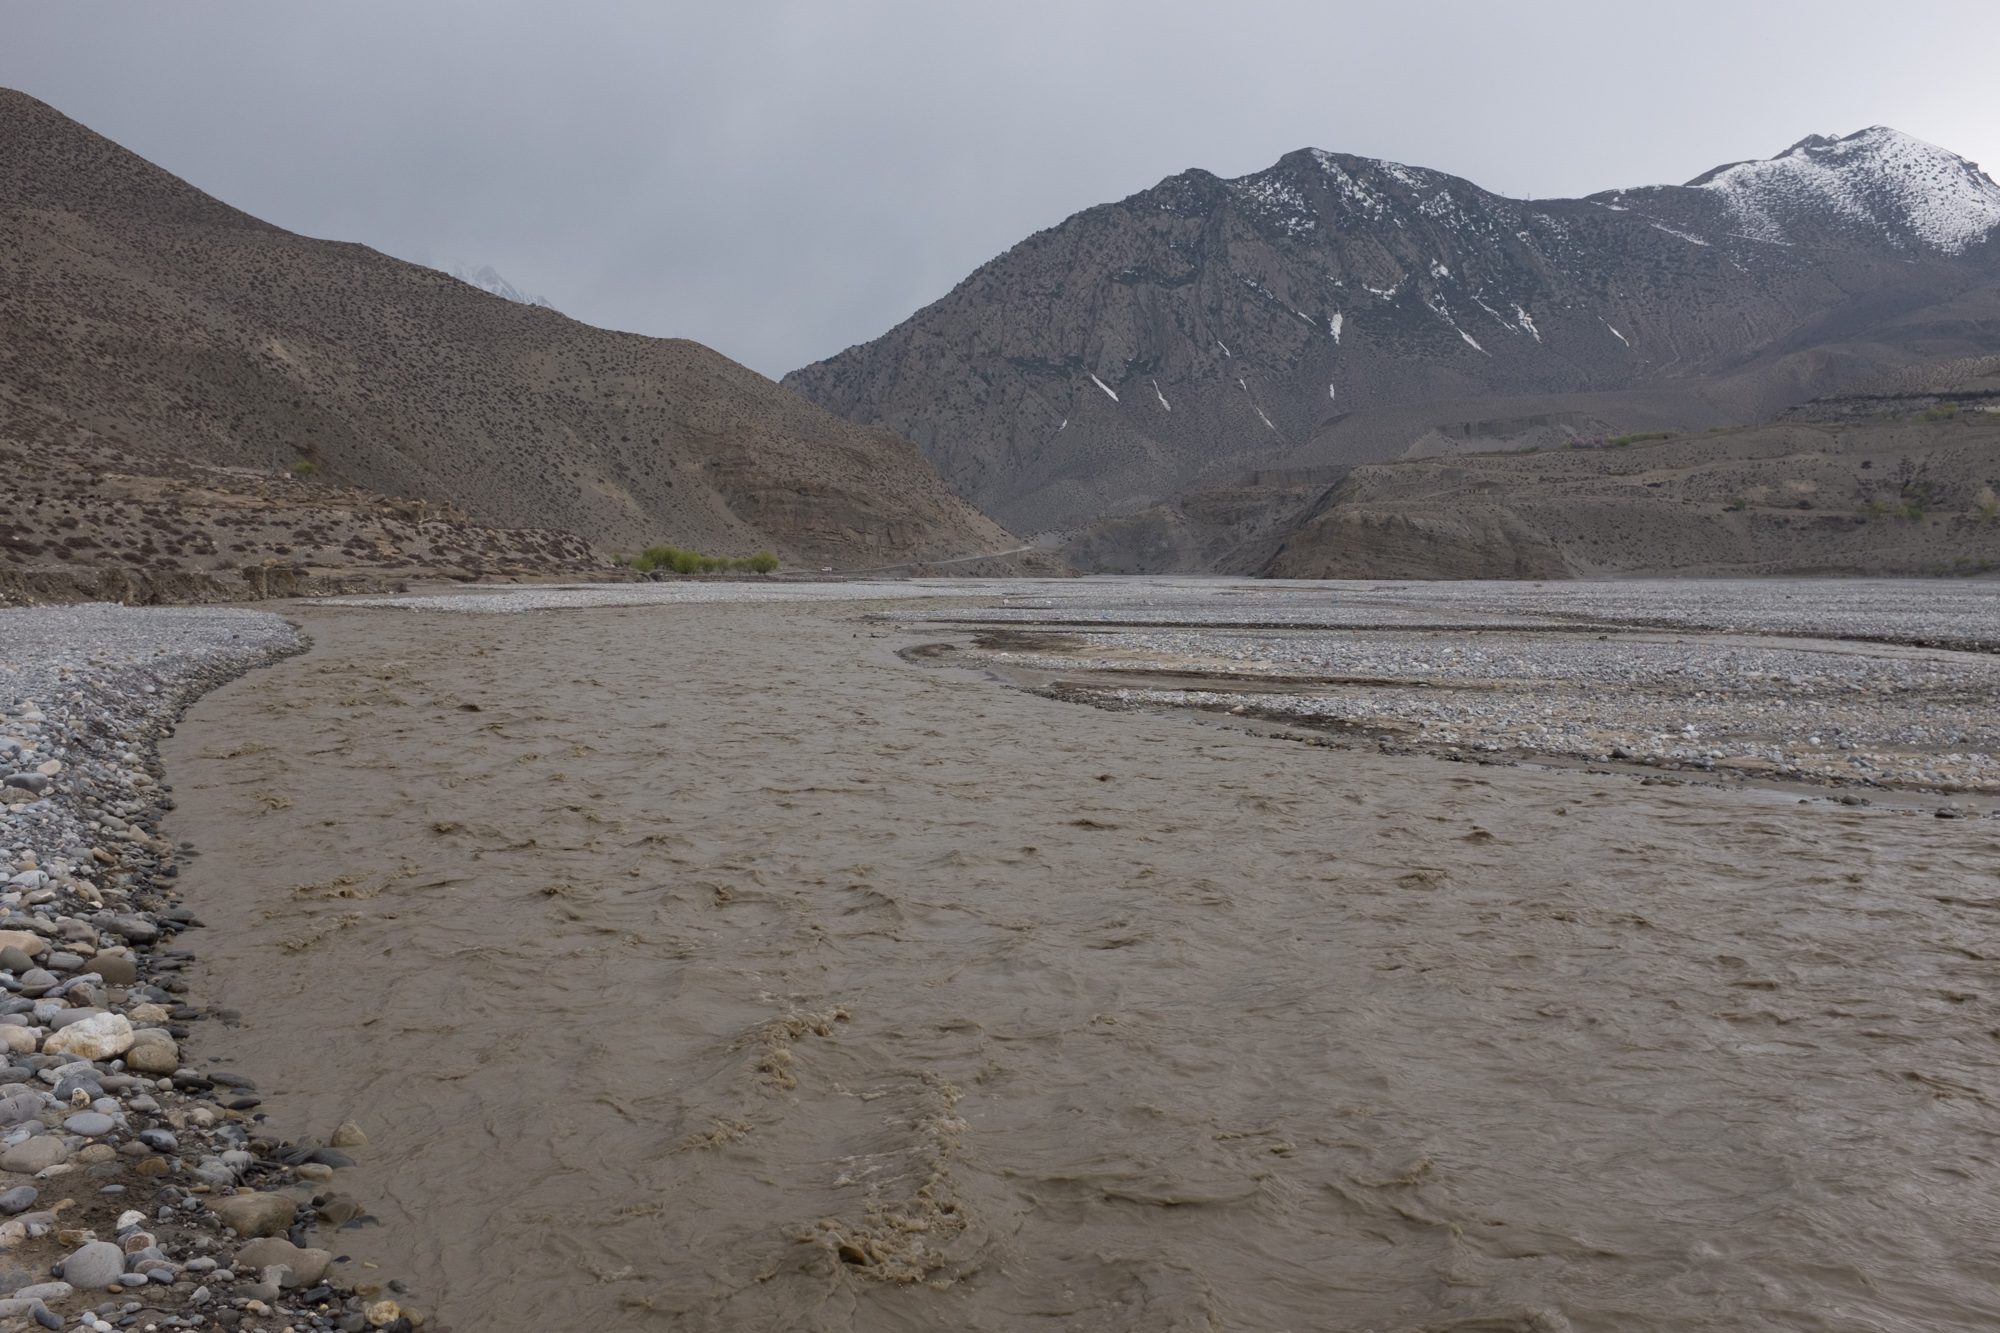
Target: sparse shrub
[(1988, 505), (680, 560), (305, 467), (654, 558), (1942, 412), (1738, 505), (1913, 486)]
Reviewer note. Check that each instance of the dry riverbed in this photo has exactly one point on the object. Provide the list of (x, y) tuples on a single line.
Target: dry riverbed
[(714, 965)]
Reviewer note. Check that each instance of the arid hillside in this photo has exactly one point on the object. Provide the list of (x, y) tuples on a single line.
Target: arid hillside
[(83, 520), (1879, 485), (142, 319)]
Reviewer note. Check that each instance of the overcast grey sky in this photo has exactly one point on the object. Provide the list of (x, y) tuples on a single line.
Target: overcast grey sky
[(780, 180)]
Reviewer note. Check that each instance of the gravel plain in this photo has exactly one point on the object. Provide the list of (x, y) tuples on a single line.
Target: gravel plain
[(138, 1187), (583, 596), (1932, 612), (1878, 683)]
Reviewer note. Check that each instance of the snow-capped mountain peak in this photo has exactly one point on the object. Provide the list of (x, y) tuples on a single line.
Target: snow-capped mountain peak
[(487, 279), (1878, 178)]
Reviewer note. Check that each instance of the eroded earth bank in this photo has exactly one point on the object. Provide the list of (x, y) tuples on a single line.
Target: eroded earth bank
[(715, 967)]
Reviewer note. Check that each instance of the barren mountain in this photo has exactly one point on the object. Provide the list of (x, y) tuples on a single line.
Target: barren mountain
[(1336, 309), (140, 316)]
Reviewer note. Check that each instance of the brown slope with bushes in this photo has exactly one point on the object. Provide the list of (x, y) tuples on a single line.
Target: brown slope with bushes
[(1877, 486), (139, 315)]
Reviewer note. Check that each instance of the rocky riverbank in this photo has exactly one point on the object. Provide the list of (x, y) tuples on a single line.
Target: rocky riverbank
[(139, 1185), (176, 587)]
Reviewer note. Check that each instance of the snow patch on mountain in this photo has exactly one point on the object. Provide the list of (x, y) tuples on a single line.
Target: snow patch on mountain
[(1351, 189), (1687, 236), (1278, 201), (1412, 178), (1443, 312), (1498, 318)]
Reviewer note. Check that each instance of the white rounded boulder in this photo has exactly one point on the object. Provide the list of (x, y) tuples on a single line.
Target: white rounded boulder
[(99, 1037)]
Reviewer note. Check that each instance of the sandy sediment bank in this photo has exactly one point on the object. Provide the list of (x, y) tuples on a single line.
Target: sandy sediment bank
[(713, 966), (141, 1189)]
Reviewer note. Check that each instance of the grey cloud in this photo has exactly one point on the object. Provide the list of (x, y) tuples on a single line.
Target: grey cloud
[(780, 180)]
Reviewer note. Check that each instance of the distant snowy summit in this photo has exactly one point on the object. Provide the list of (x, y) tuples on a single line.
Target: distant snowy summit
[(487, 279), (1876, 185), (1895, 184)]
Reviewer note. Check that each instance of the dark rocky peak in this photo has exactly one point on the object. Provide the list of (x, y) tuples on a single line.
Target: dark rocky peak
[(1192, 193)]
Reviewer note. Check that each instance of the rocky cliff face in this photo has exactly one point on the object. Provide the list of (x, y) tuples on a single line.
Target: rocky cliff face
[(139, 314), (1333, 308)]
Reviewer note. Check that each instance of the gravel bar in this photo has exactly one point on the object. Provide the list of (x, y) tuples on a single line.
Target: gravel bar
[(1924, 612), (139, 1190), (1864, 683), (578, 597)]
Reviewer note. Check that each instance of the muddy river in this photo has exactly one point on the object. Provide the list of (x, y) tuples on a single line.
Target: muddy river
[(714, 967)]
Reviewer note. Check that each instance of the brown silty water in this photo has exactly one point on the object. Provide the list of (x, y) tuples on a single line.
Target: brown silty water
[(712, 968)]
